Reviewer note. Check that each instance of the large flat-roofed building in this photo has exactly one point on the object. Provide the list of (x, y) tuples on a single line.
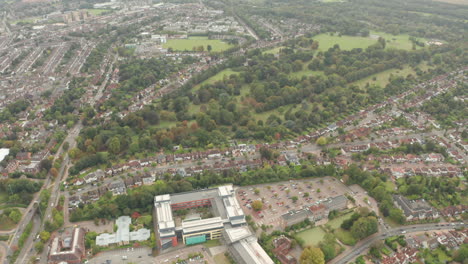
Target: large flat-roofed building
[(123, 234), (197, 231), (225, 207), (244, 247), (69, 247)]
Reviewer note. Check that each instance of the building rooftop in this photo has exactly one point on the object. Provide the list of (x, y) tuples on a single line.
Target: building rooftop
[(246, 246), (123, 234), (3, 153), (195, 226)]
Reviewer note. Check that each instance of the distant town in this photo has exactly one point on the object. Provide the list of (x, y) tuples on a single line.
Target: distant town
[(248, 132)]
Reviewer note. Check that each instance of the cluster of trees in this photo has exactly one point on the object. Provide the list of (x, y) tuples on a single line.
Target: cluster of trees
[(440, 191), (20, 191), (95, 58), (449, 107), (416, 18), (329, 246), (361, 224), (415, 148), (63, 108), (374, 183), (312, 255), (70, 53), (10, 214), (10, 112), (138, 74), (19, 59), (42, 59)]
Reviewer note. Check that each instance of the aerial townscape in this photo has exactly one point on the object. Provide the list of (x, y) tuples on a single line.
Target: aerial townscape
[(233, 132)]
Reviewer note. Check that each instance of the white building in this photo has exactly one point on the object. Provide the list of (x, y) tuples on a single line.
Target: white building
[(123, 234)]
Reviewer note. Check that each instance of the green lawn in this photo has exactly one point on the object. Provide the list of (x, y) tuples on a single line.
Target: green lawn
[(188, 44), (6, 224), (221, 259), (345, 237), (336, 223), (390, 186), (382, 78), (217, 77), (3, 197), (400, 41), (312, 236), (97, 12), (212, 243), (327, 41)]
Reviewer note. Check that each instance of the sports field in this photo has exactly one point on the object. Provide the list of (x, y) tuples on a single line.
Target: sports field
[(191, 42), (97, 12)]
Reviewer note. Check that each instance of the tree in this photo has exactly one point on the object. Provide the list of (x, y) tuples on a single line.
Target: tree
[(312, 255), (294, 199), (209, 48), (257, 191), (114, 145), (46, 164), (54, 172), (257, 205), (321, 141), (462, 254), (364, 227), (45, 236), (15, 215), (39, 246)]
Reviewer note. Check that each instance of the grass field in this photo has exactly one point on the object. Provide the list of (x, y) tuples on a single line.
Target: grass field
[(217, 77), (327, 41), (336, 223), (7, 224), (345, 237), (3, 197), (398, 42), (188, 44), (312, 236), (212, 243), (382, 78), (390, 186), (221, 259), (97, 12)]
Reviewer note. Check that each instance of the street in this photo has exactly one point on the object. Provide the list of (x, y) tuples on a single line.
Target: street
[(350, 254)]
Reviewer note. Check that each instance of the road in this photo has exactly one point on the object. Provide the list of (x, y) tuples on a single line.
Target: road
[(28, 245), (350, 254), (63, 172)]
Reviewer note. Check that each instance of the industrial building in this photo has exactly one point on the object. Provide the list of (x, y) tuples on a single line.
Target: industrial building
[(227, 213), (244, 248), (123, 234)]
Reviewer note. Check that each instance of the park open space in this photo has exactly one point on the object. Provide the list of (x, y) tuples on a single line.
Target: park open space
[(190, 43)]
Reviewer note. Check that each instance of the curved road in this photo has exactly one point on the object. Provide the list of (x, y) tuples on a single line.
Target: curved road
[(350, 254)]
